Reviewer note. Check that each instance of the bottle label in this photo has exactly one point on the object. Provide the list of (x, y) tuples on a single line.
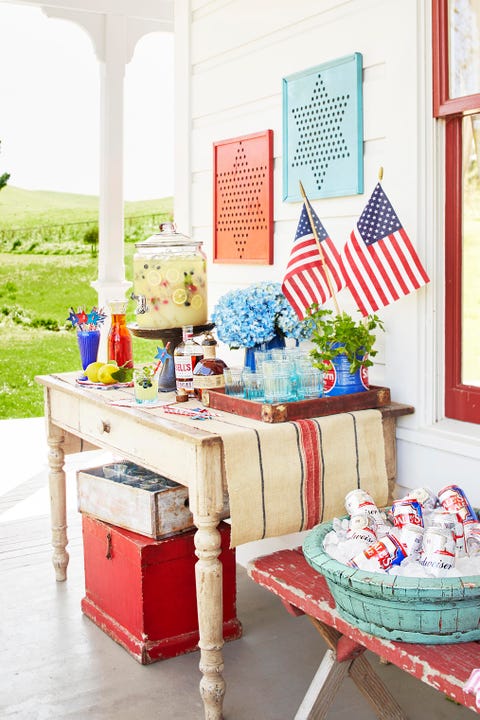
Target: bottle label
[(183, 367), (208, 381)]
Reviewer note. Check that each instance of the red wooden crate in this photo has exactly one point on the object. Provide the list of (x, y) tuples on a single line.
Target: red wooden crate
[(141, 591)]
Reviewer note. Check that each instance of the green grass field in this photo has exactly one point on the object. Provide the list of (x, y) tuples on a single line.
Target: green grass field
[(36, 292)]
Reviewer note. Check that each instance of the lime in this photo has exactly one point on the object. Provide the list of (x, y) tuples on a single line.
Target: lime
[(179, 296), (91, 371)]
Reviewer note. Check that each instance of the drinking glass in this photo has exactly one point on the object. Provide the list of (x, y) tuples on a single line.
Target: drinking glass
[(145, 384), (234, 381), (88, 342)]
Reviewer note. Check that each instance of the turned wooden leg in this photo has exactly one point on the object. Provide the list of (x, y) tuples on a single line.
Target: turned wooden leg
[(208, 575), (58, 504)]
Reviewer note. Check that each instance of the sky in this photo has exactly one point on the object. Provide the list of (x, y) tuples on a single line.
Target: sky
[(49, 108)]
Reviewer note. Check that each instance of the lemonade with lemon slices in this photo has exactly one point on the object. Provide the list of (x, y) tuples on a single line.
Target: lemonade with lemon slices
[(175, 289), (170, 275)]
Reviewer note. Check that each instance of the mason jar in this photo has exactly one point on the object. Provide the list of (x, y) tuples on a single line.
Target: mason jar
[(170, 280)]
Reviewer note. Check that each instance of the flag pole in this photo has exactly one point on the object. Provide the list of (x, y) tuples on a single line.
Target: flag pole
[(319, 245), (380, 173)]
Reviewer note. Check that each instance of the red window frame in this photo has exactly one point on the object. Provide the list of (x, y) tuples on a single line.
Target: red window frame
[(462, 402)]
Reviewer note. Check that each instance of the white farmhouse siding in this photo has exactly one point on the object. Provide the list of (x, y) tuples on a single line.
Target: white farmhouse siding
[(231, 85)]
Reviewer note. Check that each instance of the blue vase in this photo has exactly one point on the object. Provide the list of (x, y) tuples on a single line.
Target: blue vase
[(278, 341)]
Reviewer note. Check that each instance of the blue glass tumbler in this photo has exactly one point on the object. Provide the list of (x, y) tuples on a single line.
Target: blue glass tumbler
[(88, 342)]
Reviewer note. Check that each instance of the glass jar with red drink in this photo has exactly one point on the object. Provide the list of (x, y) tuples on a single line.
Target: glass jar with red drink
[(119, 346)]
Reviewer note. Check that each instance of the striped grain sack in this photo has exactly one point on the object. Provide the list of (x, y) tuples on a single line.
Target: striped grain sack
[(288, 477)]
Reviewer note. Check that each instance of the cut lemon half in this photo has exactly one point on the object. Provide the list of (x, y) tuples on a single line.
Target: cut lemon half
[(172, 275), (154, 277), (179, 296), (196, 302)]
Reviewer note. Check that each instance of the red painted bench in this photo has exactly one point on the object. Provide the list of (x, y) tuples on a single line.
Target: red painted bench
[(304, 591)]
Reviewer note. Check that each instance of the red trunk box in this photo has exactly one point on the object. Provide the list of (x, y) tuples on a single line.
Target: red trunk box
[(141, 591)]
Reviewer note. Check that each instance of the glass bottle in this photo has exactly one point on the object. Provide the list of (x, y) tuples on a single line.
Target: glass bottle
[(186, 356), (119, 346), (208, 372)]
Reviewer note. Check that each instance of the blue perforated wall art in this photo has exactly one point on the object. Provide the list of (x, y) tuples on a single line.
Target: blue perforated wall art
[(323, 130)]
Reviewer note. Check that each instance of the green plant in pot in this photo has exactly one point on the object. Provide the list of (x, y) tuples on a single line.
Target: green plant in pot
[(343, 348)]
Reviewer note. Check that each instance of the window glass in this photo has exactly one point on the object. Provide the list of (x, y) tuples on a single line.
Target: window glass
[(471, 251), (464, 47)]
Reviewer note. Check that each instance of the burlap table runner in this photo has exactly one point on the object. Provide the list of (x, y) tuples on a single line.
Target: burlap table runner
[(287, 477)]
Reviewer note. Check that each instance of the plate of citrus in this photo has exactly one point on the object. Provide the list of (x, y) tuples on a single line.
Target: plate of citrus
[(106, 375)]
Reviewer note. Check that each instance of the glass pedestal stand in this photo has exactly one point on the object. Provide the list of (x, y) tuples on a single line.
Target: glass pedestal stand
[(166, 378)]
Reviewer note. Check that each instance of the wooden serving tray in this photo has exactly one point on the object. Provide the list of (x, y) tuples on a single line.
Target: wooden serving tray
[(301, 409)]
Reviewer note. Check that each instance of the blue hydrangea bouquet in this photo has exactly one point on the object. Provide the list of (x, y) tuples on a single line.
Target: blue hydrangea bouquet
[(256, 314)]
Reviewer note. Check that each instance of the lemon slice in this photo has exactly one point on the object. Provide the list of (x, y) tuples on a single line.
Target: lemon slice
[(179, 296), (172, 275), (154, 277), (197, 302)]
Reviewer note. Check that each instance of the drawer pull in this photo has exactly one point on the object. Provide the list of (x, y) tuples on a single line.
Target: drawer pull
[(103, 426), (108, 554)]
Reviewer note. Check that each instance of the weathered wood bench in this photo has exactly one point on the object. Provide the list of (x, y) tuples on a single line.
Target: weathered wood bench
[(304, 591)]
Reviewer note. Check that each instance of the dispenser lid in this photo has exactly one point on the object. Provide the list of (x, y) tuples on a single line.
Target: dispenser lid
[(168, 235)]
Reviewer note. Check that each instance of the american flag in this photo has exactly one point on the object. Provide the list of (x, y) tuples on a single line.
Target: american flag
[(306, 280), (380, 262)]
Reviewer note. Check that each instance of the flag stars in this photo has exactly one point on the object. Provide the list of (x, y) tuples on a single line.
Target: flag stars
[(378, 218)]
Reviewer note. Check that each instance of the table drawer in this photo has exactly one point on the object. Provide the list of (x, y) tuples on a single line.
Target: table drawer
[(168, 454)]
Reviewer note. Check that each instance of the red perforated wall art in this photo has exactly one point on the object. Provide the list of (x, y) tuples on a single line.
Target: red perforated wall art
[(243, 199)]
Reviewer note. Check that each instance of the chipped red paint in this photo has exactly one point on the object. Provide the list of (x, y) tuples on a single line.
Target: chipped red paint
[(141, 592), (445, 667)]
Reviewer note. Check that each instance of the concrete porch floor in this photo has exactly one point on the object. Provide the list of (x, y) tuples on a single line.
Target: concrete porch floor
[(57, 665)]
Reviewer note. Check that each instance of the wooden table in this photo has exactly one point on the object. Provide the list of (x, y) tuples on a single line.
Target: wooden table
[(302, 590), (80, 418)]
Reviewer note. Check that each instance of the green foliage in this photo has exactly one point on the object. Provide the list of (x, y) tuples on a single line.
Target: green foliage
[(44, 288), (91, 238), (335, 335), (4, 178)]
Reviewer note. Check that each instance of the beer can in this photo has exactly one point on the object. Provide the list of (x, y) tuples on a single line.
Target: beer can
[(407, 512), (411, 538), (472, 539), (362, 527), (359, 501), (438, 549), (381, 555), (450, 521), (454, 500), (425, 496)]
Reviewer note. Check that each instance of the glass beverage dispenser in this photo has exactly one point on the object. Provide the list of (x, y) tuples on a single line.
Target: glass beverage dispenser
[(170, 281)]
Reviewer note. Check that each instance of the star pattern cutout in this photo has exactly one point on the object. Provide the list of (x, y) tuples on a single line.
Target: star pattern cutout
[(241, 212), (321, 140)]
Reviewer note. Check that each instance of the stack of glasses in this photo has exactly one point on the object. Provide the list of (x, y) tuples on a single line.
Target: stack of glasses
[(281, 375)]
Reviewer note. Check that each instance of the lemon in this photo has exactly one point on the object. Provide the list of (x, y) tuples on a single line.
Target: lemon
[(172, 275), (154, 277), (91, 371), (197, 302), (179, 296), (105, 374)]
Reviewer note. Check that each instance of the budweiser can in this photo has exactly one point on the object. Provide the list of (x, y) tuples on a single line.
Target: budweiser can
[(411, 538), (407, 512), (362, 527), (381, 555), (438, 549), (359, 501), (450, 521), (472, 539), (454, 500), (425, 496)]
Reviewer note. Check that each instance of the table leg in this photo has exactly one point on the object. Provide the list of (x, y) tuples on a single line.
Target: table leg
[(58, 503), (208, 574)]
